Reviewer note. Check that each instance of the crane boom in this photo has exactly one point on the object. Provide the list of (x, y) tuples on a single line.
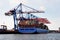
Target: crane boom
[(33, 12), (21, 11), (10, 12)]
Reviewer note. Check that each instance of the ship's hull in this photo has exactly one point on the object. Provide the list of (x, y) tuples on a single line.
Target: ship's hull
[(32, 30)]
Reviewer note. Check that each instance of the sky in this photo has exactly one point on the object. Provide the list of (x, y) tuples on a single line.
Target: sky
[(51, 8)]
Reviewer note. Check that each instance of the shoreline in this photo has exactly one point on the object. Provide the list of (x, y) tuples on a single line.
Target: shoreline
[(16, 32)]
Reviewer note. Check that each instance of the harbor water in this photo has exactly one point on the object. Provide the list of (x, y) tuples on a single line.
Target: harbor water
[(49, 36)]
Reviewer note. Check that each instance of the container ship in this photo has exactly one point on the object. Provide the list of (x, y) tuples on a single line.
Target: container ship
[(30, 23)]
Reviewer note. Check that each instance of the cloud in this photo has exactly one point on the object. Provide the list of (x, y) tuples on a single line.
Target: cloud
[(13, 2), (24, 1), (42, 8), (55, 24)]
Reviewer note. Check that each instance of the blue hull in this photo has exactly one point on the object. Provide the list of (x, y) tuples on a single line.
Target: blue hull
[(42, 30), (32, 30)]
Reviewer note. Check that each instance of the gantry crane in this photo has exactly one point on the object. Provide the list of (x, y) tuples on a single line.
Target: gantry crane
[(21, 12)]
